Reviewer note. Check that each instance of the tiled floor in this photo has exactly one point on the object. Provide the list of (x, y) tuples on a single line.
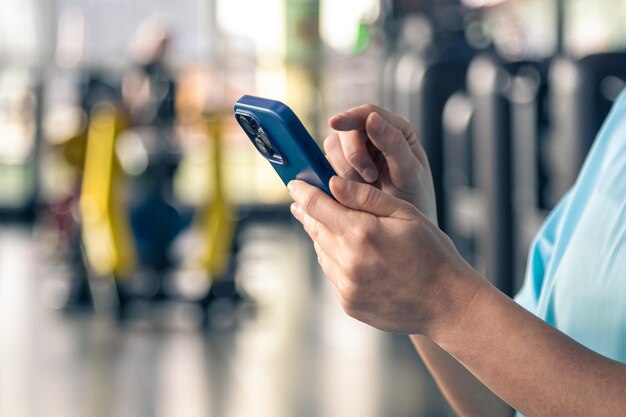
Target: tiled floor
[(299, 355)]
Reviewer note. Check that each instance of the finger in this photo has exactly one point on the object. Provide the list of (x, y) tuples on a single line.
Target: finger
[(320, 206), (364, 197), (333, 272), (354, 146), (356, 118), (336, 157), (391, 142), (319, 233), (329, 266)]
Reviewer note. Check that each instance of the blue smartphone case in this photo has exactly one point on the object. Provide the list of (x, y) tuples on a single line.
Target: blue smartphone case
[(302, 159)]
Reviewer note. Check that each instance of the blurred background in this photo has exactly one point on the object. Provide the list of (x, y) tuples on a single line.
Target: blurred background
[(149, 265)]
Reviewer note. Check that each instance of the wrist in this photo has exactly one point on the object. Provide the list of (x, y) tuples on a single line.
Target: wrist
[(463, 292)]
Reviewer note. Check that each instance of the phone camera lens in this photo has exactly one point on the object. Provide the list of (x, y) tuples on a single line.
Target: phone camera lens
[(262, 147), (249, 124), (253, 125), (260, 139), (263, 137), (266, 147)]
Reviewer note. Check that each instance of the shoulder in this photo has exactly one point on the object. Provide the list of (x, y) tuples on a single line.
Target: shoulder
[(612, 147)]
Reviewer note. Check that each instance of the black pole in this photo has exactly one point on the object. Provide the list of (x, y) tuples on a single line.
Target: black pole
[(560, 27)]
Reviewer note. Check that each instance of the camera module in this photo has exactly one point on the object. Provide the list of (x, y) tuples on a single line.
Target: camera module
[(260, 138), (249, 124), (266, 147)]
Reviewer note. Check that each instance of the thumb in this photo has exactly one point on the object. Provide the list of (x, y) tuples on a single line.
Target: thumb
[(364, 197)]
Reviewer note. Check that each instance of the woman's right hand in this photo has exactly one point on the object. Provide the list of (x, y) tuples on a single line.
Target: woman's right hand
[(375, 146)]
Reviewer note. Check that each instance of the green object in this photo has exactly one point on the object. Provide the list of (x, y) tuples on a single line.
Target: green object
[(302, 29), (363, 38), (16, 185)]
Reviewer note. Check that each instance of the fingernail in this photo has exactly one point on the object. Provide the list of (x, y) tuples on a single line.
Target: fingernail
[(377, 123), (370, 174), (295, 208), (291, 186)]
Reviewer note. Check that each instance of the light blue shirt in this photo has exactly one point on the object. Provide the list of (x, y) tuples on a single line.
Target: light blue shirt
[(576, 272)]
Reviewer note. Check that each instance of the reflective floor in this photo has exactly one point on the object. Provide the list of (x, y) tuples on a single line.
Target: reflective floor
[(297, 355)]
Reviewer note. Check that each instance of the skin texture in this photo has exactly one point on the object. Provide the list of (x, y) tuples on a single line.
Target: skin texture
[(374, 139), (393, 269), (404, 161)]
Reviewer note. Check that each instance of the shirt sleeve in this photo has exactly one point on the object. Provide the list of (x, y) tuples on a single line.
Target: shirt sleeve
[(540, 257)]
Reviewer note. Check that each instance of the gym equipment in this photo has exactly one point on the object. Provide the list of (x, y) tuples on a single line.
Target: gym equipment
[(464, 205), (529, 134), (422, 89), (480, 156), (217, 219), (106, 235), (581, 95), (433, 68)]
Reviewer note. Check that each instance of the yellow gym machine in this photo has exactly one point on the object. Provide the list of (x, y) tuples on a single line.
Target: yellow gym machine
[(107, 239)]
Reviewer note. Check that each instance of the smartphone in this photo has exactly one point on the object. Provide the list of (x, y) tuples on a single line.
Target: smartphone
[(280, 137)]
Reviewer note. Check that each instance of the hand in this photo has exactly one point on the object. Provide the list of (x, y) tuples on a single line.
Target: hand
[(390, 266), (376, 146)]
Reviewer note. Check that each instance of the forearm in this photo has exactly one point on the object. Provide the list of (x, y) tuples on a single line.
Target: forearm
[(466, 394), (396, 271), (531, 365)]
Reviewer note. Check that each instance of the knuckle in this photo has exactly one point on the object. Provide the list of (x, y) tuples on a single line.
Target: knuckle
[(354, 156), (350, 297), (311, 201), (368, 234), (385, 127), (314, 230), (354, 308), (408, 131), (364, 235), (345, 267), (348, 291), (394, 139), (369, 197), (404, 122), (369, 107), (348, 309), (350, 174), (397, 139), (410, 212), (318, 249), (353, 269), (353, 175)]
